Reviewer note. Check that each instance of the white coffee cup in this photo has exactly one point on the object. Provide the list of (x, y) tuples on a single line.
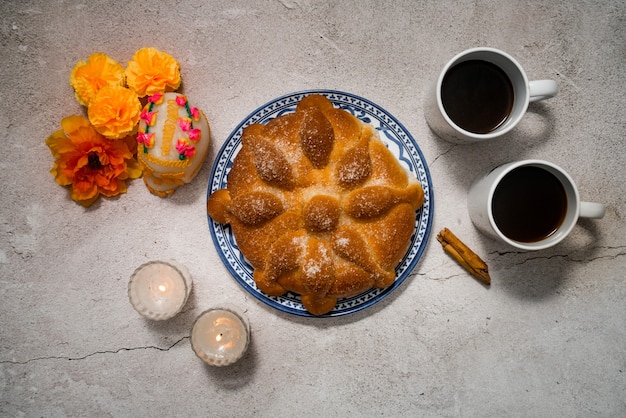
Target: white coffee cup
[(524, 91), (494, 198)]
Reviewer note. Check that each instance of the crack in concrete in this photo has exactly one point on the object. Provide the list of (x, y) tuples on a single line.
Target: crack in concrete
[(622, 252), (443, 278), (567, 256), (148, 347), (441, 155)]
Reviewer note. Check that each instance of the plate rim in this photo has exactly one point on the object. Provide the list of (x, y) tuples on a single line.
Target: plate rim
[(383, 292)]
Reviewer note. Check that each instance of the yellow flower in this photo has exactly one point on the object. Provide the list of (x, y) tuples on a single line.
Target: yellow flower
[(152, 71), (98, 71), (90, 163), (114, 111)]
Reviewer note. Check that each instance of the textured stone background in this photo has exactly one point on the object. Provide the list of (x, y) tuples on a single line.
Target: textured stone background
[(547, 339)]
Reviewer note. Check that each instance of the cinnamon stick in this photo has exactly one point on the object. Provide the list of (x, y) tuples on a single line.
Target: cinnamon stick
[(464, 255)]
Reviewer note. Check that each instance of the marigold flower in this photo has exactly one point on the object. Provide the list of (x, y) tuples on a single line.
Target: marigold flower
[(89, 163), (89, 76), (152, 71), (114, 111)]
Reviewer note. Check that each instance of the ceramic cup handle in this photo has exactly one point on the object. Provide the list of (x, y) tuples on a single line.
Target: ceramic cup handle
[(542, 89), (592, 210)]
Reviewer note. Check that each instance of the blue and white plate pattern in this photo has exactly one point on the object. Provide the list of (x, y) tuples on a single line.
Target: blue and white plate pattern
[(397, 139)]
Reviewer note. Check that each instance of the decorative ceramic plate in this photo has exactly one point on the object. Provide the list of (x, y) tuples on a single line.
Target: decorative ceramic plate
[(397, 139)]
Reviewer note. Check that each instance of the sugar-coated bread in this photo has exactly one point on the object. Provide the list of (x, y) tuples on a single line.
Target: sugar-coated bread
[(318, 205), (173, 142)]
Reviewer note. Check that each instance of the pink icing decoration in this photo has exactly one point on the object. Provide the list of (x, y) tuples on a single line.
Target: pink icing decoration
[(156, 98), (181, 100), (185, 124), (148, 117), (194, 134), (146, 139), (185, 149)]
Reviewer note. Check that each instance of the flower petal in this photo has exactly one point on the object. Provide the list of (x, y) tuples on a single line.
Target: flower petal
[(152, 71), (87, 77), (114, 111), (90, 163), (71, 124), (59, 143)]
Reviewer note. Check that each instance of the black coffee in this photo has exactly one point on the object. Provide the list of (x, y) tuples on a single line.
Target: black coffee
[(477, 95), (529, 204)]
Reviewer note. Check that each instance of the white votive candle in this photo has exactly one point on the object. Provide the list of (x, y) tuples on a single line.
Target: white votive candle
[(158, 290), (220, 336)]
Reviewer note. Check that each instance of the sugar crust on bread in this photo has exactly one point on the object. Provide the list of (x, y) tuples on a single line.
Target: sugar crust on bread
[(318, 205)]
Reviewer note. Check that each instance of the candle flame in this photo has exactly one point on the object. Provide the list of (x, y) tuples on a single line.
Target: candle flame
[(218, 337), (162, 288)]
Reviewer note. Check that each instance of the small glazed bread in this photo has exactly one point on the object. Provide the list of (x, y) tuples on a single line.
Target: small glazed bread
[(173, 142), (318, 205)]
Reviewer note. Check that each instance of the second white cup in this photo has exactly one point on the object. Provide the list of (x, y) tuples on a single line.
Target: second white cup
[(528, 204), (481, 94)]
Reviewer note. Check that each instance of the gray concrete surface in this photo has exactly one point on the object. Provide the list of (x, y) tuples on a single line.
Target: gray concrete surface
[(547, 339)]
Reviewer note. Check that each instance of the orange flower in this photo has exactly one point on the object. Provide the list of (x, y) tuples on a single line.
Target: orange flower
[(98, 71), (90, 163), (152, 71), (114, 111)]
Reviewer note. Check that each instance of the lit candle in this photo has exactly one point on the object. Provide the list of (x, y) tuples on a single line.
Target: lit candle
[(220, 336), (158, 290)]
